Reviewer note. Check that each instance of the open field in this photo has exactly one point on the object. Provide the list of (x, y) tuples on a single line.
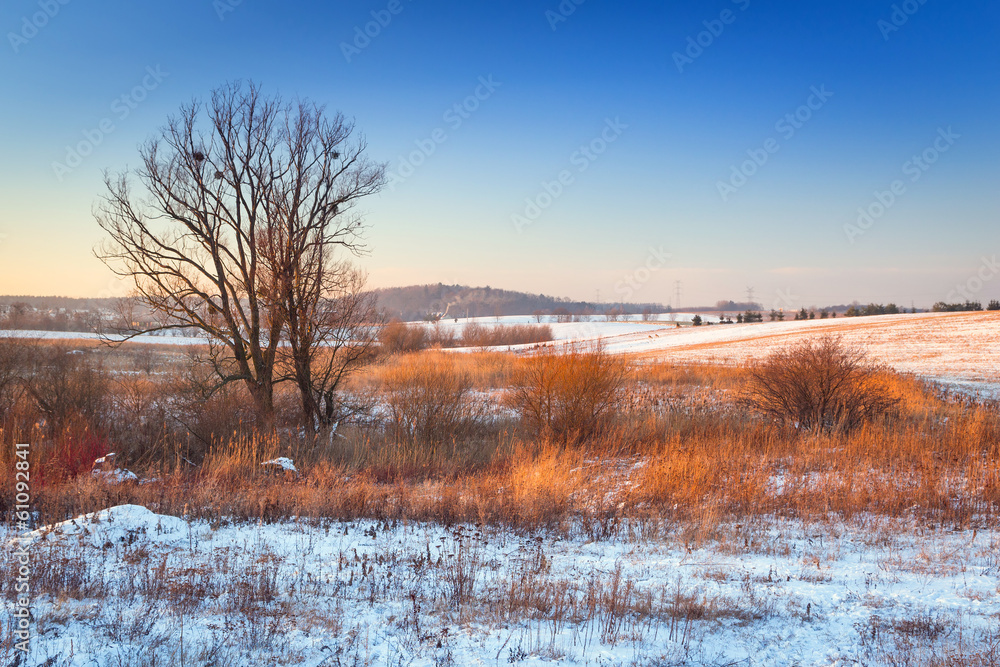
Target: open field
[(443, 525), (958, 348), (963, 348), (448, 334)]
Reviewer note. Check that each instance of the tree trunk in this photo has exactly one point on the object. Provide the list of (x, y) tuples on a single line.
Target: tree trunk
[(311, 415), (263, 400)]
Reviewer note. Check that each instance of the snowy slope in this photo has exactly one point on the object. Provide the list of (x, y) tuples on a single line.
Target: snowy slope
[(962, 349)]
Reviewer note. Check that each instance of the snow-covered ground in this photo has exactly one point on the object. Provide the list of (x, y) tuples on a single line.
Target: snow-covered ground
[(958, 349), (139, 588), (165, 339)]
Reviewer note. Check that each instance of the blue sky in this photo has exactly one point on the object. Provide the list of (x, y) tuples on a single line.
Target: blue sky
[(668, 100)]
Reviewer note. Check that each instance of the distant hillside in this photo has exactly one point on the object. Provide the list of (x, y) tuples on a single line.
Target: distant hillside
[(419, 301)]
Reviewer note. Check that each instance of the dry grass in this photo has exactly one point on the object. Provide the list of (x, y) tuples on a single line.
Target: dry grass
[(485, 370), (674, 448), (926, 640)]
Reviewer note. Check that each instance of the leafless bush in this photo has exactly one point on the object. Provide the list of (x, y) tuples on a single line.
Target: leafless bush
[(430, 402), (18, 415), (206, 411), (821, 385), (442, 336), (141, 409), (65, 382), (397, 336), (569, 396), (11, 352)]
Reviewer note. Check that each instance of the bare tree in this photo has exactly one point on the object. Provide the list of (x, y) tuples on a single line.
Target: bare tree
[(330, 321), (333, 329), (230, 221)]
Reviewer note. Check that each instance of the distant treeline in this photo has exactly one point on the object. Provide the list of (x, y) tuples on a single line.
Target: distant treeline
[(968, 306), (857, 310), (434, 302), (57, 313)]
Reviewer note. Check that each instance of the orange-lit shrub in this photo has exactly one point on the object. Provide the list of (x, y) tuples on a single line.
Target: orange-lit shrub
[(821, 385), (569, 397)]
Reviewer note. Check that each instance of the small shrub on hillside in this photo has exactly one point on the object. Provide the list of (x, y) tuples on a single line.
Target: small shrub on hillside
[(569, 397), (821, 385), (873, 309)]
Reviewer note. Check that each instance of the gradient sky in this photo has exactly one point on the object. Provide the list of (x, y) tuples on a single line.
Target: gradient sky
[(563, 76)]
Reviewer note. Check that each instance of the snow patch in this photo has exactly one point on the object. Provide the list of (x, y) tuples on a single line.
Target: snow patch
[(116, 476), (122, 524), (284, 462)]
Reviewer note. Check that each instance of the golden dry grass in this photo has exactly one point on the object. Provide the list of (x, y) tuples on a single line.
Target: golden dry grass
[(678, 450)]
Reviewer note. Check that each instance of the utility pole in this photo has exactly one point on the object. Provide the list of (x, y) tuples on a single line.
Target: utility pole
[(677, 294), (750, 300)]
